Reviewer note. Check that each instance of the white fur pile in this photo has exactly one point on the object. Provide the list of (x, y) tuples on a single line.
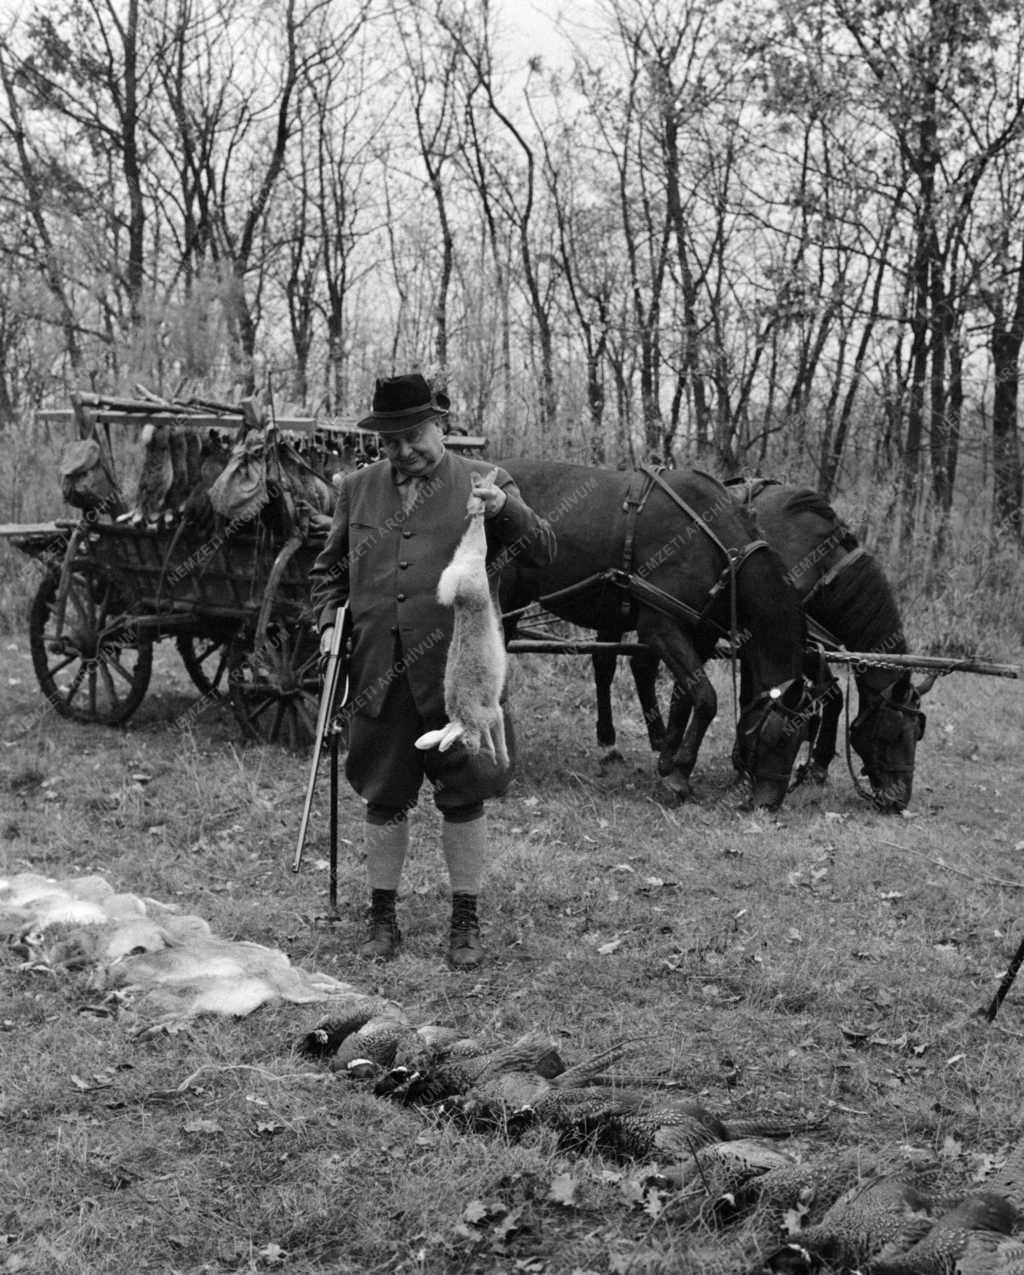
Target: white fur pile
[(159, 960)]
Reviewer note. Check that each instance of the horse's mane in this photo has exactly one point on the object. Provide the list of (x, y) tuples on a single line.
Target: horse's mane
[(748, 518), (807, 501), (860, 608)]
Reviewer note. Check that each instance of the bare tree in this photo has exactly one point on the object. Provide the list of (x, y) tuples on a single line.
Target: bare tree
[(510, 179), (937, 83)]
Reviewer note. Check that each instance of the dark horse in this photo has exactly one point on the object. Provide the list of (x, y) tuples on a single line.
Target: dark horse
[(844, 590), (680, 599)]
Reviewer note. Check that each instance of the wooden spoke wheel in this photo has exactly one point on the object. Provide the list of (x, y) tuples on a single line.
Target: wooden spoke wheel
[(206, 660), (274, 685), (97, 667)]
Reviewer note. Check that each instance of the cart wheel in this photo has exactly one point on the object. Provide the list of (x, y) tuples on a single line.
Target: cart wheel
[(275, 689), (97, 669), (205, 660)]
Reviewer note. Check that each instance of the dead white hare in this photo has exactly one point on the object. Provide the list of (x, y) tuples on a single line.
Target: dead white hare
[(474, 675)]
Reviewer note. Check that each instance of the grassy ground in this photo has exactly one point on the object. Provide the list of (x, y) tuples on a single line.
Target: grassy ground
[(829, 961)]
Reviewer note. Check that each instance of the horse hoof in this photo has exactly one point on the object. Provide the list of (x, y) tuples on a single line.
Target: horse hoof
[(677, 784), (610, 755)]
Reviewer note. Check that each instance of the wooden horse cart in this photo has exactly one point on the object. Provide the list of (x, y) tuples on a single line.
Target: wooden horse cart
[(233, 595)]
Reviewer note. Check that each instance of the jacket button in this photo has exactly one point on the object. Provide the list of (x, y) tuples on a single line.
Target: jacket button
[(406, 535), (403, 565), (401, 597)]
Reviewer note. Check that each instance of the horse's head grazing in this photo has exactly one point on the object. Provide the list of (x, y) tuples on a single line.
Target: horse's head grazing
[(771, 728), (884, 735)]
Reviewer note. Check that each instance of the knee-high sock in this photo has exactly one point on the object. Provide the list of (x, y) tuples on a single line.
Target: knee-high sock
[(386, 845), (464, 844)]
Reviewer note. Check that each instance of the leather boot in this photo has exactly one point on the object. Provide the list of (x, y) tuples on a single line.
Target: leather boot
[(384, 935), (465, 948)]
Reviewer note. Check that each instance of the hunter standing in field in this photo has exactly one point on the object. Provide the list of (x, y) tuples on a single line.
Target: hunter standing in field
[(396, 525)]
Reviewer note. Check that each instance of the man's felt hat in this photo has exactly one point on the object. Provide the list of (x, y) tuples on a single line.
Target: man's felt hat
[(403, 402)]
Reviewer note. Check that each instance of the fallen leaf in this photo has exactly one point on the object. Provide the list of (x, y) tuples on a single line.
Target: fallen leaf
[(98, 1081), (654, 1203), (793, 1220), (632, 1191), (563, 1190), (984, 1164), (475, 1212), (613, 945), (895, 1042), (202, 1126)]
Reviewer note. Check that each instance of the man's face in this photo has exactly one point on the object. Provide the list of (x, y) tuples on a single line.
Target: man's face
[(414, 451)]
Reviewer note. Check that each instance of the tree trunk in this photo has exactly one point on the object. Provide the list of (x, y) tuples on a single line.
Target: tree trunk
[(691, 361), (50, 266), (1007, 339), (135, 270)]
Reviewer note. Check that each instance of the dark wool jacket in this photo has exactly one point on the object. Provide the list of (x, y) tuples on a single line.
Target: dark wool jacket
[(386, 563)]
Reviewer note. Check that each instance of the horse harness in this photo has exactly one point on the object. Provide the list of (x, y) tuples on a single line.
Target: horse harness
[(642, 484), (636, 586), (870, 723)]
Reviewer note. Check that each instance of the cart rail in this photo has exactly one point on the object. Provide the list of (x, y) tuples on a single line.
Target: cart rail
[(140, 413), (171, 570)]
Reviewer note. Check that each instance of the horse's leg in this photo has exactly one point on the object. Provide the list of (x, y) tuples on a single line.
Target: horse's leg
[(741, 763), (694, 702), (679, 709), (604, 671), (823, 720), (823, 748), (645, 678)]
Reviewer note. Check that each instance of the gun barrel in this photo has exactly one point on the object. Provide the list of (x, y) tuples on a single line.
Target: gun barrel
[(332, 677)]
